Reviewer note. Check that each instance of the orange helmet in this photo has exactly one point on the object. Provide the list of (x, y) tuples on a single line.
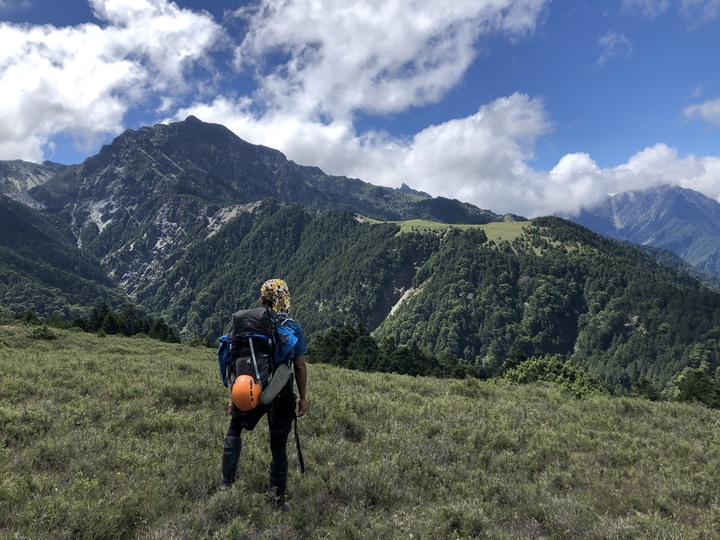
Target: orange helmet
[(246, 393)]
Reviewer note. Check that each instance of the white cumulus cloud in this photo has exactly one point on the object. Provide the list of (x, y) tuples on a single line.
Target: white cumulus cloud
[(613, 45), (81, 81), (321, 63), (709, 111), (586, 184), (661, 164), (332, 59)]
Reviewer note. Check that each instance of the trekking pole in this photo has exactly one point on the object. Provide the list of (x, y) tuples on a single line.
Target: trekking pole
[(299, 450)]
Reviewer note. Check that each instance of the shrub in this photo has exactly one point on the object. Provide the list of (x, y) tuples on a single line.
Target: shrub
[(645, 389), (555, 369), (695, 384), (43, 332)]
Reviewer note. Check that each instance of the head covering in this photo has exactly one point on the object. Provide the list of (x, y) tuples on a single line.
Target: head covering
[(276, 292)]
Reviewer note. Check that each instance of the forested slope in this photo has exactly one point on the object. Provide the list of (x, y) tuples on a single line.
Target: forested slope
[(341, 270), (552, 287), (40, 269), (560, 289), (557, 288)]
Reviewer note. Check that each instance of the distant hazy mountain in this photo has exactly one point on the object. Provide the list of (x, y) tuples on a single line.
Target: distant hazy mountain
[(677, 219)]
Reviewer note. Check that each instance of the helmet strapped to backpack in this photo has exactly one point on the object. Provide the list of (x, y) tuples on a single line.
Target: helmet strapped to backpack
[(246, 392)]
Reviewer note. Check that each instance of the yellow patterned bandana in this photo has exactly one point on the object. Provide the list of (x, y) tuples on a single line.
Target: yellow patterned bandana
[(277, 293)]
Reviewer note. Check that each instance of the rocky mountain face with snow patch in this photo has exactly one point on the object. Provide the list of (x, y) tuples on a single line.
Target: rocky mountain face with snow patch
[(670, 217)]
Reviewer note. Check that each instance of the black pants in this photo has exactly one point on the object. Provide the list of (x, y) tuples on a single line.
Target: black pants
[(280, 414)]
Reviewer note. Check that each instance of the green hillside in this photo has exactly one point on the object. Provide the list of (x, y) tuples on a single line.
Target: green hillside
[(498, 230), (340, 269), (121, 438), (41, 269), (482, 294), (558, 288)]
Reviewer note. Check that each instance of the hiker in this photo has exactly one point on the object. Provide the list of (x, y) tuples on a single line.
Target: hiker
[(281, 411)]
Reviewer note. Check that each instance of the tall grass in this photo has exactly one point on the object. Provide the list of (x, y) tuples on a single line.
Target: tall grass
[(121, 438)]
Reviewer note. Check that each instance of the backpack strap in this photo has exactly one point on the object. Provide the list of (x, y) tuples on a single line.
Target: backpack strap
[(254, 359), (279, 320), (224, 357), (272, 317)]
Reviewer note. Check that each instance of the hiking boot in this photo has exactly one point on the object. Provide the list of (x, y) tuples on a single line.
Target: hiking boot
[(231, 456), (278, 506), (276, 486)]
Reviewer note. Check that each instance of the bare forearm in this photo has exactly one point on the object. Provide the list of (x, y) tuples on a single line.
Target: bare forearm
[(301, 380), (301, 376)]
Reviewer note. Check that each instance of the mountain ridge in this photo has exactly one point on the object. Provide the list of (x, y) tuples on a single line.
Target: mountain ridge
[(188, 220), (209, 161), (153, 190), (42, 269)]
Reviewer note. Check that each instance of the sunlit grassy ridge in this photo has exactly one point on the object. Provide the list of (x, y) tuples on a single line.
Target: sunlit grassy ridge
[(121, 438), (501, 230), (507, 231)]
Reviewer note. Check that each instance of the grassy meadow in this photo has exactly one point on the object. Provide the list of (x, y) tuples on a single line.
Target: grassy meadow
[(112, 437), (498, 231)]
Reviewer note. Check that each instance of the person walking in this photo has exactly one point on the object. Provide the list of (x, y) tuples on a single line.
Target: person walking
[(281, 411)]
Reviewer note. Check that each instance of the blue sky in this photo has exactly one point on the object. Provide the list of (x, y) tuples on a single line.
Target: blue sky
[(524, 106)]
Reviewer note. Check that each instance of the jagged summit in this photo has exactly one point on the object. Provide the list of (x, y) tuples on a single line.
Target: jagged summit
[(404, 188), (210, 162)]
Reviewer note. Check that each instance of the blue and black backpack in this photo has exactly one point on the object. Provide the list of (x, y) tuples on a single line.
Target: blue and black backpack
[(258, 344)]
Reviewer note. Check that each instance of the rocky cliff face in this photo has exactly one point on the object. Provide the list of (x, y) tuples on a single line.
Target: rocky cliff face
[(17, 177)]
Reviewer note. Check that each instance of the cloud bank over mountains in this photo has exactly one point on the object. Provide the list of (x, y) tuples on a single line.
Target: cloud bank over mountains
[(308, 76)]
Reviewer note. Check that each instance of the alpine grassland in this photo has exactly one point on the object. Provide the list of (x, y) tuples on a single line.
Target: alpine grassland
[(496, 230), (113, 437)]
